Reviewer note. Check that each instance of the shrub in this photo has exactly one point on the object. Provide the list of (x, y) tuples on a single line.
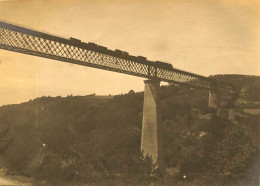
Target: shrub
[(233, 159)]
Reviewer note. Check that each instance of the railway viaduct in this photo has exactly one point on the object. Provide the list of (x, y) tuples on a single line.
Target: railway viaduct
[(32, 42)]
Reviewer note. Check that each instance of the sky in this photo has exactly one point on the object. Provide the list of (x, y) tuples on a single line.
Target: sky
[(205, 37)]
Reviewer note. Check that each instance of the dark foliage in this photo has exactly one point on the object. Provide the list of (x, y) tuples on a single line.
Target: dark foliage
[(97, 140)]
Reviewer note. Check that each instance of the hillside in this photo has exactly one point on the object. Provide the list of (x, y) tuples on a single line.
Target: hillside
[(85, 138)]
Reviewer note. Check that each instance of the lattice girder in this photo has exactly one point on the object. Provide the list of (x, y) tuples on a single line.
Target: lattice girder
[(27, 41)]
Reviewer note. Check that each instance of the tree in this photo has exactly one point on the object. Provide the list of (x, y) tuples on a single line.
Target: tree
[(131, 92), (233, 160)]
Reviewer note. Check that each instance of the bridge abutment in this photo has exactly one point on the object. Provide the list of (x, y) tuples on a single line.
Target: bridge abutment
[(151, 140)]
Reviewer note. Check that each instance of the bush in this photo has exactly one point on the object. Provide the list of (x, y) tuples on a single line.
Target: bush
[(232, 161)]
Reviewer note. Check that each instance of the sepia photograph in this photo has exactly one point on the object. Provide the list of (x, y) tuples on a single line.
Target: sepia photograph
[(130, 92)]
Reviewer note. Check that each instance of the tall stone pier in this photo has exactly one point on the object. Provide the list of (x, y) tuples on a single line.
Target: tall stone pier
[(151, 141), (213, 99)]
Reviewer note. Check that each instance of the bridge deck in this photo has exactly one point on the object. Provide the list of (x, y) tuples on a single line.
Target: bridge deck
[(24, 40)]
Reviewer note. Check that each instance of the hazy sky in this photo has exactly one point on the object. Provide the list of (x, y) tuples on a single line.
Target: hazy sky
[(202, 36)]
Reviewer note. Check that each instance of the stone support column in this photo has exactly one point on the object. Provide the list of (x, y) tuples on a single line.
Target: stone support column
[(213, 99), (151, 142)]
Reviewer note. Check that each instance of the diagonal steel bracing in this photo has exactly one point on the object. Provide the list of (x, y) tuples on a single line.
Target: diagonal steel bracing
[(23, 40)]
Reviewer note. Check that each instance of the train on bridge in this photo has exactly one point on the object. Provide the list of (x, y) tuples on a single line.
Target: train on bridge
[(119, 53)]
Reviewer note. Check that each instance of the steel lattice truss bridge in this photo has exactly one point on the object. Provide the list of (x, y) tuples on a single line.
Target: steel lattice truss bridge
[(28, 41)]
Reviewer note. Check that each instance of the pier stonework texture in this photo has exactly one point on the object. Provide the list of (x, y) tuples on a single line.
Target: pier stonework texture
[(151, 142)]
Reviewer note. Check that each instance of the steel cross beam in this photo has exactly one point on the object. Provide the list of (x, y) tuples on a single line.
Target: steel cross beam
[(23, 40)]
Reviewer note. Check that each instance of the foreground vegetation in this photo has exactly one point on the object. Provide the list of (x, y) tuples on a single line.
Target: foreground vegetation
[(96, 140)]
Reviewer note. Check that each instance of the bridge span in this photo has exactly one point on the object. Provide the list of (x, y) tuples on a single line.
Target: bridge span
[(24, 40)]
